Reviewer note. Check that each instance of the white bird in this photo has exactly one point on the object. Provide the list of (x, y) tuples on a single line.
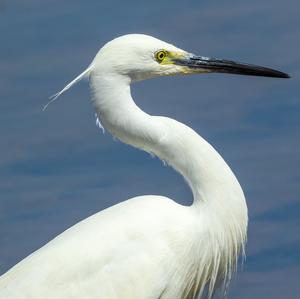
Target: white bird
[(148, 247)]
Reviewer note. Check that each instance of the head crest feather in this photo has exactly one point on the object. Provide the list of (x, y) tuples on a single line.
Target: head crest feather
[(84, 74)]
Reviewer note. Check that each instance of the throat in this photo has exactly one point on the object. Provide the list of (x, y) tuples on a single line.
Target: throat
[(111, 97)]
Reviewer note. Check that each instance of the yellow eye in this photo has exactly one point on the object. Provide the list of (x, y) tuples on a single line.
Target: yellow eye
[(160, 55)]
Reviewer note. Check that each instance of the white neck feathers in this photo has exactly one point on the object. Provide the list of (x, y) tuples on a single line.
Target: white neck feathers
[(203, 168)]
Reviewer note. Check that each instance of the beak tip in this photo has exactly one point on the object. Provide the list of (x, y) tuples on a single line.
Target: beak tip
[(279, 74)]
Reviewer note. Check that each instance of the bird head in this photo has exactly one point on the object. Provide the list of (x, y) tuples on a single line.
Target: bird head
[(137, 56), (141, 57)]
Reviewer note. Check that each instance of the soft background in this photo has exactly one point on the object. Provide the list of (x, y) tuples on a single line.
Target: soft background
[(57, 167)]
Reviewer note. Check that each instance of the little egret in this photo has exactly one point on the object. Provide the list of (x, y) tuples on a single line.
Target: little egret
[(148, 247)]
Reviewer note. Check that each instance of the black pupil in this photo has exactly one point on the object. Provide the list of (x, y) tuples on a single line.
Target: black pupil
[(161, 55)]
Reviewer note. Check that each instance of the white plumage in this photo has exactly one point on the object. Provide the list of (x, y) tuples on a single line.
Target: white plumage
[(147, 247)]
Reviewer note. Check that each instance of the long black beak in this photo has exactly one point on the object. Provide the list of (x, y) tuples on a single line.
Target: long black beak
[(207, 64)]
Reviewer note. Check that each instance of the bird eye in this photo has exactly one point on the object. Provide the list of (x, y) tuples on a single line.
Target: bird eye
[(160, 55)]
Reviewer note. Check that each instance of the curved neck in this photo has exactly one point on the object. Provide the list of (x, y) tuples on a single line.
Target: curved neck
[(209, 177)]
